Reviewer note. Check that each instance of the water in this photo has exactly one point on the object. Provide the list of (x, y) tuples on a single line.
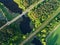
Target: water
[(25, 25), (12, 6), (36, 42)]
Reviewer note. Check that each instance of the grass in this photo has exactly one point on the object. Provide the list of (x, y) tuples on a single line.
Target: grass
[(54, 39)]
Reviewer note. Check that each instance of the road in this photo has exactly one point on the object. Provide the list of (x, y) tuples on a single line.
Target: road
[(54, 29), (16, 18), (54, 36), (41, 27)]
